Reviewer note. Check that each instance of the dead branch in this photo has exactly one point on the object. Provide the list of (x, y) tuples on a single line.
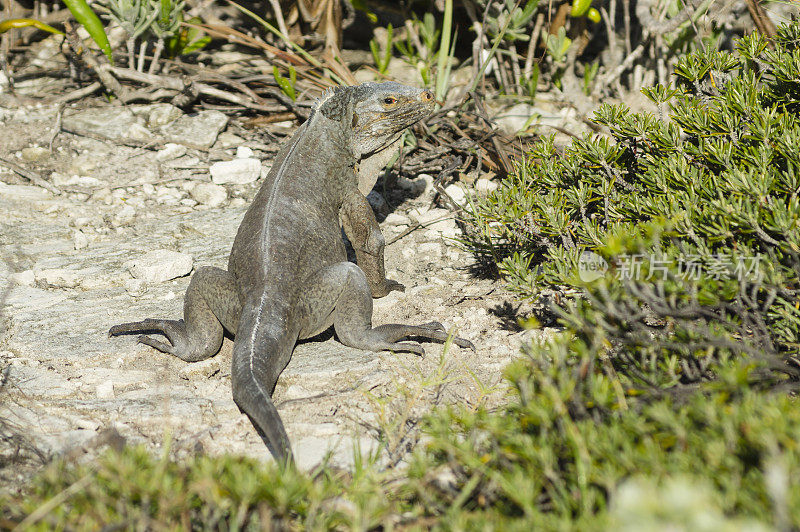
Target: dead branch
[(30, 175)]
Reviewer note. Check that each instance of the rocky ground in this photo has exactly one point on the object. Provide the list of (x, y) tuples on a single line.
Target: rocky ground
[(140, 196)]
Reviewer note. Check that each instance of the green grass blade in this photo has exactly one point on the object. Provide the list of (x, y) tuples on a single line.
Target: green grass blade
[(442, 69), (275, 31), (91, 22)]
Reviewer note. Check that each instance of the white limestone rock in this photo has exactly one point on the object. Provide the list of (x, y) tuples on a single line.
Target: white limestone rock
[(105, 390), (199, 130), (170, 151), (160, 265), (396, 219), (485, 186), (80, 240), (209, 194), (236, 172), (457, 194), (243, 152)]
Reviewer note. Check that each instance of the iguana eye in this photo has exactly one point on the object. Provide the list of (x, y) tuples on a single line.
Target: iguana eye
[(390, 100)]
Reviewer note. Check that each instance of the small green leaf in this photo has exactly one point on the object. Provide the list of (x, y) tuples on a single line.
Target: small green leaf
[(91, 23), (286, 85)]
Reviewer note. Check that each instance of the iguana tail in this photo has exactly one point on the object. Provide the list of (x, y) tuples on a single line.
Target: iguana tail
[(260, 354)]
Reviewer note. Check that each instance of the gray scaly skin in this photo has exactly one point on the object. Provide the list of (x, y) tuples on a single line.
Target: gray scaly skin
[(288, 277)]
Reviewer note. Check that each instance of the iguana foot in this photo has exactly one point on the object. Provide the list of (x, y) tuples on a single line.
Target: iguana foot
[(172, 329), (161, 346), (432, 331)]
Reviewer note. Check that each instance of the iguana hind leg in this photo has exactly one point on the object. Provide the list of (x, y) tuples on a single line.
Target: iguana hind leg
[(211, 303), (340, 294)]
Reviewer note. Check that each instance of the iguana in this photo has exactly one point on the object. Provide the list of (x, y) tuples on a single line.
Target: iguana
[(288, 277)]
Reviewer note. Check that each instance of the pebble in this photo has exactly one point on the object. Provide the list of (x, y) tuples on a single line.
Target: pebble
[(80, 240), (430, 247), (135, 287), (87, 424), (237, 171), (139, 132), (243, 152), (137, 202), (511, 121), (438, 222), (164, 190), (196, 130), (34, 154), (457, 194), (109, 122), (396, 219), (105, 390), (227, 139), (58, 278), (485, 186), (425, 216), (125, 215), (209, 194), (160, 265), (168, 195), (104, 196), (161, 114), (437, 233), (60, 180), (170, 151), (23, 192), (26, 278)]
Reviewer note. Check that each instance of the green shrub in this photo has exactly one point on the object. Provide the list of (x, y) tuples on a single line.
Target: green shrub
[(133, 490), (680, 367), (704, 202), (556, 455)]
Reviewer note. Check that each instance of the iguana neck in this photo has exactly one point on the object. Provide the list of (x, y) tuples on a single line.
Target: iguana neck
[(370, 167)]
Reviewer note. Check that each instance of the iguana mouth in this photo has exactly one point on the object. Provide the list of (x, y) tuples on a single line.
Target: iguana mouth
[(406, 117)]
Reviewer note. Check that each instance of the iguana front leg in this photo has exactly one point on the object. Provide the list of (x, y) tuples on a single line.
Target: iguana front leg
[(362, 230)]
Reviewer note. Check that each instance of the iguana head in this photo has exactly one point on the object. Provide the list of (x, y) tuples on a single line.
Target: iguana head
[(376, 113)]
